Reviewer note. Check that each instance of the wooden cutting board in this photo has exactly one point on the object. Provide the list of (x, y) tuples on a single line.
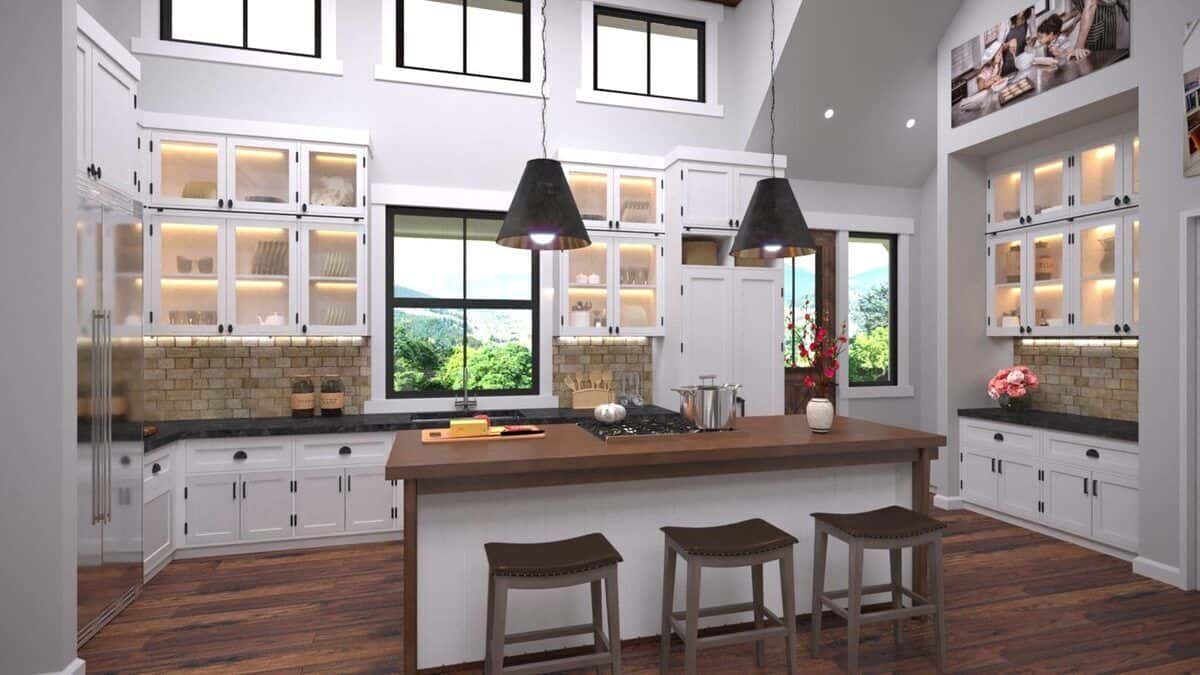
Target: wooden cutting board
[(443, 436)]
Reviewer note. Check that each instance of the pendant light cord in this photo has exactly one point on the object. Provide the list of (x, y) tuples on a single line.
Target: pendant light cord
[(772, 65), (543, 88)]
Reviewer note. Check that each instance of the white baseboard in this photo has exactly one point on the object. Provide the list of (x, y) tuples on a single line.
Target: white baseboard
[(1051, 532), (287, 544), (149, 574), (947, 503), (76, 667), (1159, 572)]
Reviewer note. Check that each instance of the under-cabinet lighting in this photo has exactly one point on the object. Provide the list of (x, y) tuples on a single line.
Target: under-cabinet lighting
[(1014, 177), (638, 291), (336, 233), (1048, 237), (1055, 287), (251, 229), (261, 153), (260, 283), (181, 227), (1103, 152), (1083, 342), (188, 283), (1050, 166), (188, 148), (253, 341), (600, 340), (591, 291), (335, 285), (335, 159), (1103, 284), (1105, 229), (590, 178)]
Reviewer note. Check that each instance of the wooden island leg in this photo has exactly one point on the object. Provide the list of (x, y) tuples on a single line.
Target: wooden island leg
[(410, 577), (922, 502)]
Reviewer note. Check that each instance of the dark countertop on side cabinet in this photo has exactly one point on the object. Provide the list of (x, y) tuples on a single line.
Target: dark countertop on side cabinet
[(178, 430), (1120, 430)]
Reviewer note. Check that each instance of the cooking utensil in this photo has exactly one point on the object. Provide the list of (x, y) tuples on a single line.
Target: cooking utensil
[(609, 413), (709, 406)]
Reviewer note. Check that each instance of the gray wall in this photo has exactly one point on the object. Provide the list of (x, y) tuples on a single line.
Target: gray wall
[(37, 362)]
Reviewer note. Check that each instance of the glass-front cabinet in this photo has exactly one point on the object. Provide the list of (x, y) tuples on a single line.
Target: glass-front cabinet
[(188, 170), (1006, 275), (1049, 188), (1099, 175), (334, 289), (1047, 266), (1133, 177), (613, 287), (617, 198), (262, 175), (186, 256), (260, 296), (333, 180), (1006, 198), (1098, 280), (1133, 274)]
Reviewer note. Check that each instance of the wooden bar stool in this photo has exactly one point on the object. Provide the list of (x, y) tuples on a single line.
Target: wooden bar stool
[(750, 543), (892, 528), (556, 564)]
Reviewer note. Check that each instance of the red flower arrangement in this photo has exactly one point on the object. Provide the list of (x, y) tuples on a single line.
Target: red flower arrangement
[(1011, 387), (821, 349)]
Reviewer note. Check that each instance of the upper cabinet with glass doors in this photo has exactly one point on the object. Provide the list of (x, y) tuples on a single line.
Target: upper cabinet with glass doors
[(617, 198), (613, 287)]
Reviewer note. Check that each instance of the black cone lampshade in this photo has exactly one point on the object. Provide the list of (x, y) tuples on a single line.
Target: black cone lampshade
[(773, 226), (543, 215)]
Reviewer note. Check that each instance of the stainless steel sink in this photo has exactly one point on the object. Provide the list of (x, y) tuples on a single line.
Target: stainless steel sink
[(444, 416)]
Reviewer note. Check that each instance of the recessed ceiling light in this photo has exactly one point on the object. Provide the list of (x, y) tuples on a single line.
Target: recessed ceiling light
[(912, 122), (829, 113)]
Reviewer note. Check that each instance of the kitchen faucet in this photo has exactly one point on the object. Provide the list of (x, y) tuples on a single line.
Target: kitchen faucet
[(467, 402)]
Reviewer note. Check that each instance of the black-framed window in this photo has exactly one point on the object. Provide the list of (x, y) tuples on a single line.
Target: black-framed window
[(801, 299), (647, 54), (482, 38), (457, 297), (275, 26), (872, 329)]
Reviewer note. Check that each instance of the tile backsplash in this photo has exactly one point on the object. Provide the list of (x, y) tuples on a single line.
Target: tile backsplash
[(1086, 377), (206, 378), (577, 357)]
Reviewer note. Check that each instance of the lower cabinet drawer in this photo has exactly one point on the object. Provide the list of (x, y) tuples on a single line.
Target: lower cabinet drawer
[(157, 476), (987, 437), (1082, 452), (238, 454), (347, 450)]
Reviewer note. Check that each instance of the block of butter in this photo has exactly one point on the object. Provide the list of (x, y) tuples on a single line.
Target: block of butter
[(472, 426)]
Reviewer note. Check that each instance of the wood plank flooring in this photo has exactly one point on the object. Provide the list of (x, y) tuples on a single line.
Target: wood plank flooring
[(1018, 601)]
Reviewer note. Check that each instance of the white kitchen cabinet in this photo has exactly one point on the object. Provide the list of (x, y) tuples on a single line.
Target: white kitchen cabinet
[(1100, 176), (259, 277), (613, 287), (158, 510), (188, 170), (707, 196), (614, 198), (369, 499), (1068, 499), (978, 475), (757, 326), (84, 164), (262, 175), (266, 505), (1007, 274), (185, 258), (106, 123), (1131, 276), (1007, 198), (706, 325), (745, 179), (1047, 274), (1132, 155), (333, 287), (1098, 262), (333, 180), (1115, 510), (320, 502), (213, 512), (1018, 489)]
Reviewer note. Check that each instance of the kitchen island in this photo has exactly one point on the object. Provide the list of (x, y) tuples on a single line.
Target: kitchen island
[(459, 496)]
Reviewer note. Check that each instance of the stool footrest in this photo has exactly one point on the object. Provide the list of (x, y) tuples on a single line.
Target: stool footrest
[(775, 626), (547, 633), (558, 665), (923, 609)]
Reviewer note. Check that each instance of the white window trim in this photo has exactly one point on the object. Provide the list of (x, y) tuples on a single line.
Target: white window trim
[(387, 71), (710, 14), (150, 43), (385, 194)]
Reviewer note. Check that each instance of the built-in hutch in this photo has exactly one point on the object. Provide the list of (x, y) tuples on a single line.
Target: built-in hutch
[(254, 235), (107, 139)]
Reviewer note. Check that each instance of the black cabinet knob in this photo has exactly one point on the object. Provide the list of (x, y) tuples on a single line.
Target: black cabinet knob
[(1116, 328), (304, 208), (1125, 327), (1125, 199), (125, 461), (618, 224), (618, 330), (610, 330), (99, 171), (1021, 329), (1028, 220), (229, 203), (1028, 330), (304, 328), (1093, 453), (344, 450), (229, 329), (1116, 201), (221, 328), (220, 203), (1021, 220), (156, 468), (240, 455), (998, 437)]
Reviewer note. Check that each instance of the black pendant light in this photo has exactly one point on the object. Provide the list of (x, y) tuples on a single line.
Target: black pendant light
[(543, 215), (773, 226)]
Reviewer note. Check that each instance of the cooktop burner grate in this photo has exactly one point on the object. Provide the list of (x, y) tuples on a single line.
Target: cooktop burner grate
[(651, 425)]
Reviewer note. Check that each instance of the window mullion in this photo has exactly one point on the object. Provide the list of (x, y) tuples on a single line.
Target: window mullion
[(464, 70), (648, 69), (245, 24)]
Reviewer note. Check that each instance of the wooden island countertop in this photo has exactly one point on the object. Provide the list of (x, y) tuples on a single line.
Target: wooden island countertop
[(569, 455)]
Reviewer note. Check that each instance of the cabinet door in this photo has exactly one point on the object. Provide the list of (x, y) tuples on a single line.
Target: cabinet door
[(187, 291), (708, 196), (320, 502), (158, 516), (334, 286), (637, 270), (1133, 177), (83, 105), (333, 180), (586, 276), (1115, 510), (1132, 275), (1068, 498), (260, 293), (263, 175), (1006, 274), (1099, 176), (707, 331), (757, 339), (744, 182), (1049, 188), (189, 170), (978, 478), (1047, 302), (368, 499), (1097, 270), (637, 200), (212, 509), (114, 123), (1006, 198), (266, 505), (1018, 488), (592, 188)]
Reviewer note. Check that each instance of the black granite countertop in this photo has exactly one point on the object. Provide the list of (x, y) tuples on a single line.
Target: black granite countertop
[(1120, 430), (169, 432)]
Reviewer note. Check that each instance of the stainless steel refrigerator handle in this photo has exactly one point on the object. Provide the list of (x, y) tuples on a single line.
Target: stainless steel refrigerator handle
[(94, 411), (108, 412)]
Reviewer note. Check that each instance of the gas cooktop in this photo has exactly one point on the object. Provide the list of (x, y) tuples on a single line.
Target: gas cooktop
[(647, 425)]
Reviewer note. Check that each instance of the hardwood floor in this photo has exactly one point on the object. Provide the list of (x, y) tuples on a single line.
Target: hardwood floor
[(1018, 601)]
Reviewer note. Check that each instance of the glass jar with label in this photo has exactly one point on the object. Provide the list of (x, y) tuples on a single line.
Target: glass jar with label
[(303, 401), (333, 397)]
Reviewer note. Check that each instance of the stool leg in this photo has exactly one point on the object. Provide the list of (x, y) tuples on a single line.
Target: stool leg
[(487, 645), (939, 599), (854, 609), (690, 641), (495, 655), (897, 596), (756, 581), (597, 621), (614, 620), (787, 583), (668, 606), (820, 544)]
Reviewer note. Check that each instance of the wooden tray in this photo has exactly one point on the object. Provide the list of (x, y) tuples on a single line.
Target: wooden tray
[(443, 436)]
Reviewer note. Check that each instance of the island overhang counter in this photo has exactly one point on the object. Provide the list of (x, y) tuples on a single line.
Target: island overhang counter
[(459, 495)]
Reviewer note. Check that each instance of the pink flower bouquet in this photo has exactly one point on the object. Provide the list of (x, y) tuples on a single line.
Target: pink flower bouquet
[(1012, 386)]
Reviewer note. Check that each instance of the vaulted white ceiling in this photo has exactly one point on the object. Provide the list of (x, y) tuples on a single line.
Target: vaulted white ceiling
[(875, 63)]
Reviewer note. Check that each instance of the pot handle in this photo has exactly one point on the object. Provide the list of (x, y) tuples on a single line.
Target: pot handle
[(709, 378), (741, 406)]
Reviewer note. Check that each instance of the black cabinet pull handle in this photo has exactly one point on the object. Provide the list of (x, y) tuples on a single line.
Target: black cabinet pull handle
[(1095, 488), (243, 489), (999, 466), (1085, 481), (618, 224), (99, 171), (993, 465), (344, 450), (349, 484), (1021, 330), (229, 329), (998, 437), (340, 483), (239, 455), (1125, 327), (1021, 220), (156, 468), (1093, 453), (235, 489)]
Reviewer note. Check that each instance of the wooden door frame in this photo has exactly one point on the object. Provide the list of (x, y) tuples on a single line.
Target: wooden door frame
[(795, 396)]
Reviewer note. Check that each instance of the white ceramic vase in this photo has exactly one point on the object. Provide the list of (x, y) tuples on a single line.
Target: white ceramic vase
[(820, 415)]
